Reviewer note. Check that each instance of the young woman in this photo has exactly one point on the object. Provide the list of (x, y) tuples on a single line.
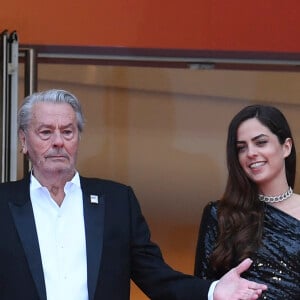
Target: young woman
[(259, 214)]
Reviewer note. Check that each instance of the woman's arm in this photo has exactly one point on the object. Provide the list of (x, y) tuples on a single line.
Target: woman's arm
[(207, 236)]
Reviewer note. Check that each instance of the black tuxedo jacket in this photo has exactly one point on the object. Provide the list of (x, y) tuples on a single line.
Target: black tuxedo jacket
[(118, 248)]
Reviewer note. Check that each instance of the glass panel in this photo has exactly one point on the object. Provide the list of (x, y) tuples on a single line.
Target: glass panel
[(163, 131)]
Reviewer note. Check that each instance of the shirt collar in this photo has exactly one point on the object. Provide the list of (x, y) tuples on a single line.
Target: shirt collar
[(35, 184)]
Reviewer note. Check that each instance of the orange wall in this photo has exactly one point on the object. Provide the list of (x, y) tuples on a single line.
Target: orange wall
[(270, 25)]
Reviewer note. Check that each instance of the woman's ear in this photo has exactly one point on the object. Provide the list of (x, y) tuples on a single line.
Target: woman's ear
[(287, 145)]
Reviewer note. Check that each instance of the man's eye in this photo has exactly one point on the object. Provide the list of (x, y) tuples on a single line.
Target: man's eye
[(44, 134), (68, 133)]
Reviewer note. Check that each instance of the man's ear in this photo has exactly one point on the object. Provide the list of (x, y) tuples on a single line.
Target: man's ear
[(22, 138)]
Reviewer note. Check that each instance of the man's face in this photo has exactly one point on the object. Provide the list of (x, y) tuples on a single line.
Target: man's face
[(51, 140)]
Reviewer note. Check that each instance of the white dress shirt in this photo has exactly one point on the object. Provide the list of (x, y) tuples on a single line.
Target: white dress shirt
[(61, 236)]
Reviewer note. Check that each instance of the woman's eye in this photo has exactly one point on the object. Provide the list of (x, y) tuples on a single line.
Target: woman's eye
[(261, 143), (240, 148)]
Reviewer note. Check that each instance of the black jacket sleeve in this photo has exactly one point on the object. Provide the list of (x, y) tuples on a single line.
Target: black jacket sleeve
[(149, 270), (207, 236)]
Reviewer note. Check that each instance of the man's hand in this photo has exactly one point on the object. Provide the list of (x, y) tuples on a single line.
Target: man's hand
[(232, 287)]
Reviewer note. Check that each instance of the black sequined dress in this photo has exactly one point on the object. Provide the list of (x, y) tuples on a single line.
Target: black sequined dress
[(276, 263)]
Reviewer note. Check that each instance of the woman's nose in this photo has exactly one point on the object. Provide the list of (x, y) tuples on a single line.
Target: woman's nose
[(251, 151)]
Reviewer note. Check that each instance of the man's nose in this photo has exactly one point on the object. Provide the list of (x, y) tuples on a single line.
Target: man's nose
[(57, 139)]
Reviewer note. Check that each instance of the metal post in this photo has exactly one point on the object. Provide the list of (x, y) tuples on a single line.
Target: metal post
[(13, 71), (4, 63), (30, 83)]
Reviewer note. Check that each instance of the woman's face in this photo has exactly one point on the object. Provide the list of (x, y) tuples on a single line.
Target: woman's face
[(260, 154)]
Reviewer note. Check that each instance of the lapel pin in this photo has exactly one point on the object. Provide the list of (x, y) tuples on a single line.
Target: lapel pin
[(94, 199)]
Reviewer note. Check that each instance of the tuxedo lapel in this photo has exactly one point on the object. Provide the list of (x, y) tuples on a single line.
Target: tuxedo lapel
[(22, 213), (93, 204)]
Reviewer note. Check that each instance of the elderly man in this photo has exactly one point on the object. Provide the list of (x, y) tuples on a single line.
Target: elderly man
[(66, 237)]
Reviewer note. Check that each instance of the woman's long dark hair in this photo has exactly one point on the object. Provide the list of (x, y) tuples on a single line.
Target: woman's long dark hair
[(240, 213)]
